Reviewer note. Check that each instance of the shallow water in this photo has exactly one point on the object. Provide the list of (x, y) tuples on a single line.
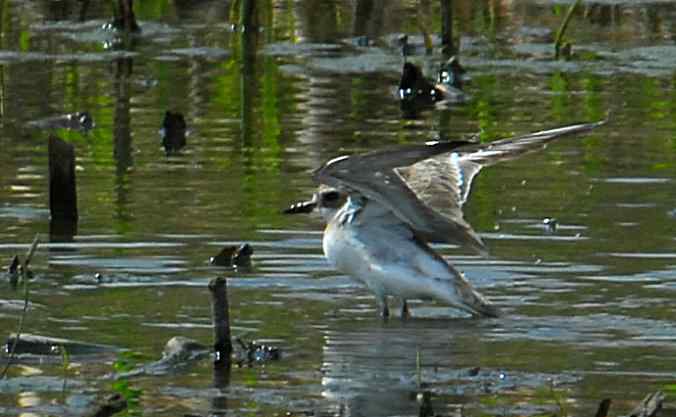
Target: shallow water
[(588, 307)]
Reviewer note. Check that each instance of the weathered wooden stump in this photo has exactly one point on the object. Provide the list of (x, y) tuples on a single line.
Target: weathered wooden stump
[(220, 312)]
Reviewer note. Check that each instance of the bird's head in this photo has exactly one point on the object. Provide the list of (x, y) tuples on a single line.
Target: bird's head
[(327, 201)]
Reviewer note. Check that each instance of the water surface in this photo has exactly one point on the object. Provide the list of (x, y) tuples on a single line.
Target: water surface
[(588, 307)]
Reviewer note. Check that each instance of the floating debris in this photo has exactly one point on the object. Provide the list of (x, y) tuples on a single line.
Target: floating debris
[(424, 400), (51, 346), (362, 41), (242, 256), (233, 256), (414, 86), (451, 72), (416, 92), (82, 121), (551, 224), (113, 404), (178, 353), (254, 353)]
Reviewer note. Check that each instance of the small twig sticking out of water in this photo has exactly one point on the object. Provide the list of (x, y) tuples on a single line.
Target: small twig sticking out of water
[(562, 29), (221, 321), (24, 278), (65, 358), (418, 368), (13, 271), (559, 400)]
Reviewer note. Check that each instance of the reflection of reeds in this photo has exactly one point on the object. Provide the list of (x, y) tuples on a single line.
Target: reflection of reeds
[(447, 27), (423, 24)]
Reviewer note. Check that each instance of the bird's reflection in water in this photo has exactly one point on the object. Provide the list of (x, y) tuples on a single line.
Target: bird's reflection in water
[(370, 370)]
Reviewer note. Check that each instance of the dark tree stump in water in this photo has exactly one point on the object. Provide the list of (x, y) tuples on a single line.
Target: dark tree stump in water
[(220, 312), (62, 192), (173, 132)]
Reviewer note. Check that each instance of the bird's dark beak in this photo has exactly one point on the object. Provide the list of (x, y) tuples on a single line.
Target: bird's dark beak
[(301, 207)]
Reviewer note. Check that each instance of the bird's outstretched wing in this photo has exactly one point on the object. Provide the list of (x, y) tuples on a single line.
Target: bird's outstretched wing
[(444, 182), (426, 185), (373, 176)]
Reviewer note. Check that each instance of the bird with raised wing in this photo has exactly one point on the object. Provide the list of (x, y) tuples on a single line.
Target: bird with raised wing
[(383, 208)]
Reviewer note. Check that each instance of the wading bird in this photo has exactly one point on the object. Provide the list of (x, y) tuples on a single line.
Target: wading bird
[(383, 208)]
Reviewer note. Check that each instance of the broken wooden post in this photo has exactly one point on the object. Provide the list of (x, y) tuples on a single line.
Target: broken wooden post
[(62, 192), (447, 28), (221, 321)]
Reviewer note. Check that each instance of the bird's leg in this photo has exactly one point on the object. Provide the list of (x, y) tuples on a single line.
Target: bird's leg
[(405, 313)]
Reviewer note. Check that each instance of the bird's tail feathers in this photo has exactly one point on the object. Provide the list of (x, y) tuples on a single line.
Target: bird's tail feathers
[(473, 302)]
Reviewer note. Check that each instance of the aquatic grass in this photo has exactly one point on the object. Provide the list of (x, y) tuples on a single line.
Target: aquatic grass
[(559, 41), (22, 318), (65, 365), (552, 395), (125, 362), (670, 391)]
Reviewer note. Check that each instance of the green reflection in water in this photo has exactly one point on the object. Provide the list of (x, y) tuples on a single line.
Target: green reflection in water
[(151, 9), (594, 105), (560, 99)]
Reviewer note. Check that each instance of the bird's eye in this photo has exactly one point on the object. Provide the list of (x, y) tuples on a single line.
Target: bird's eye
[(331, 196)]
